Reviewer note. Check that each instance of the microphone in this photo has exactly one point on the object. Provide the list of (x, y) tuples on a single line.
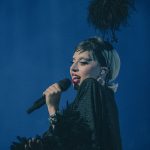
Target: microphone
[(63, 84)]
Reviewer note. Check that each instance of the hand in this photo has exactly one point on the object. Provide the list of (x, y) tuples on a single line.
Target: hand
[(52, 95)]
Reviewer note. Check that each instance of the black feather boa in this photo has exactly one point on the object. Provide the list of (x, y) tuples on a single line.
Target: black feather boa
[(71, 133)]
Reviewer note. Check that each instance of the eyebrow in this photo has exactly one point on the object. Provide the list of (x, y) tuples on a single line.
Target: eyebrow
[(88, 59)]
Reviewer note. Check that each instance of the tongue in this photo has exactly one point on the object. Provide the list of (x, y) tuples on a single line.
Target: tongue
[(75, 81)]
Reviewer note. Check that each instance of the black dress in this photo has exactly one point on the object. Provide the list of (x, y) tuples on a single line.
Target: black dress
[(90, 122)]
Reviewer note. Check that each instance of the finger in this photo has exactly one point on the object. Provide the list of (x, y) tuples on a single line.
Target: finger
[(47, 91), (54, 88), (54, 85), (51, 91), (57, 87)]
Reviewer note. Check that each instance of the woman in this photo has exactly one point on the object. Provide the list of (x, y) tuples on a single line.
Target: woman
[(95, 65)]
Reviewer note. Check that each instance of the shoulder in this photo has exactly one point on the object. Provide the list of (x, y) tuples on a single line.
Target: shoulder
[(89, 85), (89, 81)]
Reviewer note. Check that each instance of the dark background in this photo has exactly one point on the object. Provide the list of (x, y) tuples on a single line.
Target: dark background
[(37, 39)]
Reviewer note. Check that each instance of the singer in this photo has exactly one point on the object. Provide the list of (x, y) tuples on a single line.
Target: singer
[(90, 122)]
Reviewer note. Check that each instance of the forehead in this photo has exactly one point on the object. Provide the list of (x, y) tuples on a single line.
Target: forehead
[(83, 54)]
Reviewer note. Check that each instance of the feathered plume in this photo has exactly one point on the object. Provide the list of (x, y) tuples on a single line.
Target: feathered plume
[(108, 15)]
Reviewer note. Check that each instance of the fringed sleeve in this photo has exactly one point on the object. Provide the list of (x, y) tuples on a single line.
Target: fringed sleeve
[(96, 104)]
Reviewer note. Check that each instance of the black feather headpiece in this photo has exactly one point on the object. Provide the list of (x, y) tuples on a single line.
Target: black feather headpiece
[(108, 15)]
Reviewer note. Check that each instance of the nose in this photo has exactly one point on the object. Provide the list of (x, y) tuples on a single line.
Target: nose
[(74, 67)]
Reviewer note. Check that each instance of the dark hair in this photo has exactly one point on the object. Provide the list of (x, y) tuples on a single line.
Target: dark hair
[(97, 46)]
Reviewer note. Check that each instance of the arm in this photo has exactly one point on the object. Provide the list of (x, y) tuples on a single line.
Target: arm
[(52, 95), (97, 105), (89, 103)]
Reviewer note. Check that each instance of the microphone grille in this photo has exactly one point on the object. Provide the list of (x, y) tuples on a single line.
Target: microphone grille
[(64, 84)]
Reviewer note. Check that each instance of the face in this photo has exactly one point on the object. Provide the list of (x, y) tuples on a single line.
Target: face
[(83, 66)]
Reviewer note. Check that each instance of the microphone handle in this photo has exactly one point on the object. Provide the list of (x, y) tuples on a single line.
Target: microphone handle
[(37, 104)]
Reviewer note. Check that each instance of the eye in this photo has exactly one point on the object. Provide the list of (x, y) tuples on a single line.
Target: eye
[(83, 62)]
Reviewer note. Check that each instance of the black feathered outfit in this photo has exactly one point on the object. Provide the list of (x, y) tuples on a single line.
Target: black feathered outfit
[(96, 104), (90, 122)]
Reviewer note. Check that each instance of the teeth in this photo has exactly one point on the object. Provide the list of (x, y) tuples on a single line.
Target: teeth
[(76, 77)]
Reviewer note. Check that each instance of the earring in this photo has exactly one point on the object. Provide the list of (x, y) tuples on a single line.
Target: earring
[(102, 72), (101, 80)]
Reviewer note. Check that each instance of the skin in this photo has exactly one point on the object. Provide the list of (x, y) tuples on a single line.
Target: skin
[(84, 66), (52, 96)]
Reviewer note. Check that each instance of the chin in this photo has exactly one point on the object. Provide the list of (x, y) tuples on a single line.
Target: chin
[(76, 86)]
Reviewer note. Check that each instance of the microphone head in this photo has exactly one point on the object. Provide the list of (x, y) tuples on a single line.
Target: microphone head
[(64, 84)]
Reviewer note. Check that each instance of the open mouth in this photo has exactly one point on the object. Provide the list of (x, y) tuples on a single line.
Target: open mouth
[(76, 79)]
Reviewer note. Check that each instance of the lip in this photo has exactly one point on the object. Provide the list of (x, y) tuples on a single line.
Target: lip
[(75, 78)]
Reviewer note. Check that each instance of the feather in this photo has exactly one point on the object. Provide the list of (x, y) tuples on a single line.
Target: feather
[(109, 15), (72, 134)]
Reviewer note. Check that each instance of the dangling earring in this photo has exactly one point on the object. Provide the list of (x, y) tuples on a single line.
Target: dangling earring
[(101, 80)]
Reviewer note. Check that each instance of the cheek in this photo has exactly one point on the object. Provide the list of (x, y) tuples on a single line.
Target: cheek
[(70, 70), (90, 72)]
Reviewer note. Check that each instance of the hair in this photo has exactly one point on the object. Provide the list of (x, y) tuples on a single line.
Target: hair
[(105, 54)]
